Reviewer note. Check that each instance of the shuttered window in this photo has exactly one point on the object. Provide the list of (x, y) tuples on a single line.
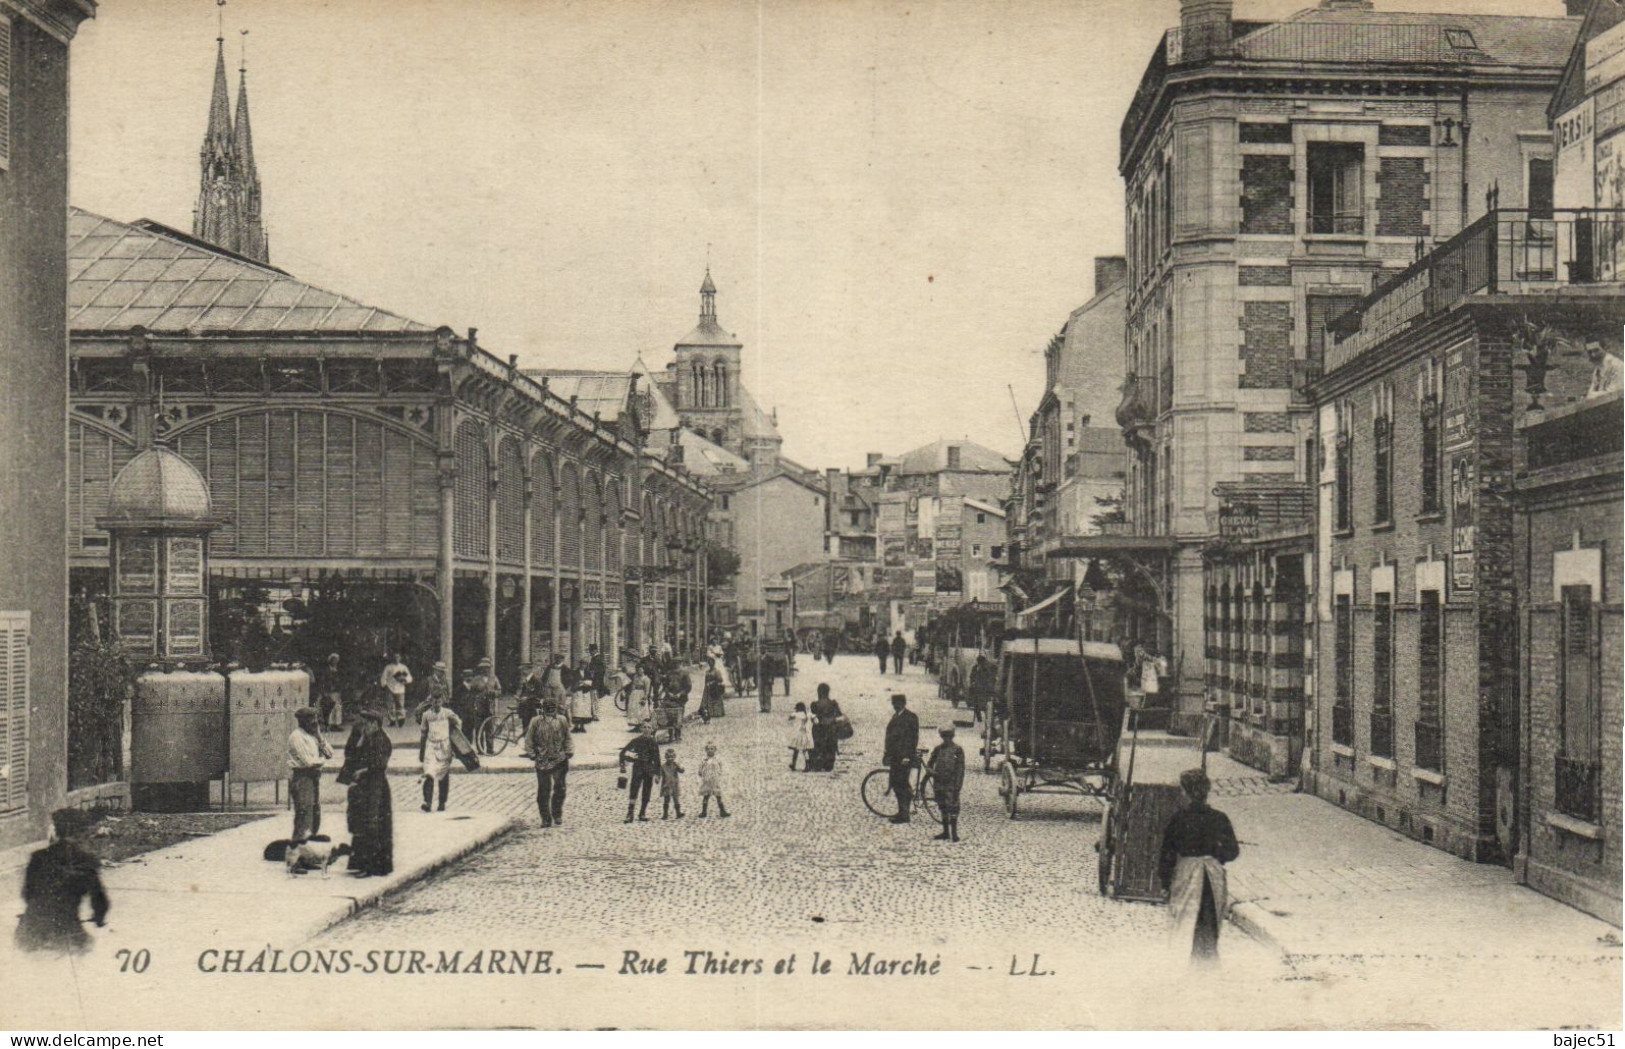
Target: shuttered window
[(1382, 652), (1345, 650), (5, 92), (1580, 721), (1431, 656), (14, 627)]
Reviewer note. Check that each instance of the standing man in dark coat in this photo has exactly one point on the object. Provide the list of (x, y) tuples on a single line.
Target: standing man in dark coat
[(899, 648), (60, 876), (902, 751), (984, 686), (644, 753), (882, 651)]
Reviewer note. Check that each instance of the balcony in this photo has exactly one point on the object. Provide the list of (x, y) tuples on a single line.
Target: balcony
[(1508, 251), (1429, 747), (1343, 724), (1137, 411), (1579, 789), (1382, 734)]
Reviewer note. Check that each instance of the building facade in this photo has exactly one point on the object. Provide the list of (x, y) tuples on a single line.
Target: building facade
[(34, 39), (778, 523), (364, 460), (1275, 173), (1417, 703)]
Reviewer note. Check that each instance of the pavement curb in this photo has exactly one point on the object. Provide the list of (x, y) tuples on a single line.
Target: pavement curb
[(1248, 919), (371, 898), (585, 766)]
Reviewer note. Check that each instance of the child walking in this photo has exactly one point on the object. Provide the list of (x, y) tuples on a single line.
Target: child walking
[(711, 782), (801, 741), (947, 765), (671, 786)]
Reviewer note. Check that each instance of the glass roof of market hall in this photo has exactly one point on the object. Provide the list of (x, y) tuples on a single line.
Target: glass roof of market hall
[(121, 275)]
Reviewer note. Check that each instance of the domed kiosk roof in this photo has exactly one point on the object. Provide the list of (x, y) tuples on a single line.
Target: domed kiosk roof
[(159, 487)]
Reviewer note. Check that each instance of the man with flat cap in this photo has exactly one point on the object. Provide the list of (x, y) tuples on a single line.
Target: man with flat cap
[(947, 765)]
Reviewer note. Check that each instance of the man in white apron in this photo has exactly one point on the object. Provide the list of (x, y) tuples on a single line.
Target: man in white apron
[(434, 750)]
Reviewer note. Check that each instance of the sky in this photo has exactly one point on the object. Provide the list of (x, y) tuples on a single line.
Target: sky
[(900, 202)]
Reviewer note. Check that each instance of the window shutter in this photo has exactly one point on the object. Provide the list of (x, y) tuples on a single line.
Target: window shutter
[(14, 628), (5, 92)]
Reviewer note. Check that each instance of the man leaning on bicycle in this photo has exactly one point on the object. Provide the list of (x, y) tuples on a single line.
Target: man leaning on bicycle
[(902, 751)]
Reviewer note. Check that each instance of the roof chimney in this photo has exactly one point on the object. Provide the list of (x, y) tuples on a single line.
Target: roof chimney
[(873, 458), (1110, 271), (1348, 5), (1576, 8), (1204, 28)]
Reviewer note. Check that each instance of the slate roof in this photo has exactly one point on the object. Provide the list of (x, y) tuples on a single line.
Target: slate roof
[(1342, 35), (121, 275), (973, 458), (709, 333)]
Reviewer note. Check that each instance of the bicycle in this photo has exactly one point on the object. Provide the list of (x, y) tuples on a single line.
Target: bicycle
[(877, 786), (499, 730)]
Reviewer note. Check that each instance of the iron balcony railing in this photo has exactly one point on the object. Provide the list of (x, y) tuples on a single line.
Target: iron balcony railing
[(1382, 734), (1579, 789), (1429, 747), (1507, 251), (1343, 724)]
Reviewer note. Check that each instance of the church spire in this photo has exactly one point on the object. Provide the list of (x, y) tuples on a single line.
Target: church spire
[(228, 205), (708, 299)]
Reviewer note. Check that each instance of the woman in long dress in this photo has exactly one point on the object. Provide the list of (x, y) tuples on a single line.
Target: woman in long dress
[(369, 813), (1196, 845)]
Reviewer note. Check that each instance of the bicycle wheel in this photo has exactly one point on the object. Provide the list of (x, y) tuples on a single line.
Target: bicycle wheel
[(485, 736), (507, 730), (876, 791), (622, 699), (925, 797)]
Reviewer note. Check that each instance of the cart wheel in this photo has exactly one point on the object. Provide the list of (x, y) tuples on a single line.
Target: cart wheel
[(1009, 787)]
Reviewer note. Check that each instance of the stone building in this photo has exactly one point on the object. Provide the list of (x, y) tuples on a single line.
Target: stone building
[(704, 417), (1276, 172), (34, 40)]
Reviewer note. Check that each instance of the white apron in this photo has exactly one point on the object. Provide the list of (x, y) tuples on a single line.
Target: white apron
[(437, 748), (1185, 900)]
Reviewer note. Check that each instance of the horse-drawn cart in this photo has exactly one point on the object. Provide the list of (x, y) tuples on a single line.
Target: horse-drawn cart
[(1057, 718)]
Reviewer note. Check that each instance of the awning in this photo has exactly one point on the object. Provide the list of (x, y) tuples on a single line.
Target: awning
[(1050, 600)]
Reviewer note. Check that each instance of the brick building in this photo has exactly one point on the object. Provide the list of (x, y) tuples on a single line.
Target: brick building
[(1416, 697), (1567, 528), (1275, 173), (34, 40), (1568, 525)]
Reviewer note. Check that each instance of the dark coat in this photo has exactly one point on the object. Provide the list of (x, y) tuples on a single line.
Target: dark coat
[(59, 876), (882, 647), (369, 813), (899, 646), (643, 751), (1196, 830), (902, 738)]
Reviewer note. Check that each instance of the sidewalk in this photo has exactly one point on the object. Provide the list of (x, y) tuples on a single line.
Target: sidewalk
[(1313, 880), (218, 890)]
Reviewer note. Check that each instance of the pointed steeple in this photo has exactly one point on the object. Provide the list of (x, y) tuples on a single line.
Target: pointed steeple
[(708, 299), (217, 139), (228, 205)]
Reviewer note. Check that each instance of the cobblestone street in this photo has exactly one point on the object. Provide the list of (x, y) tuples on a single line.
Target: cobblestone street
[(802, 866)]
